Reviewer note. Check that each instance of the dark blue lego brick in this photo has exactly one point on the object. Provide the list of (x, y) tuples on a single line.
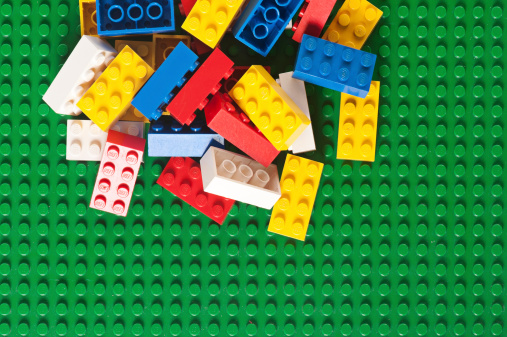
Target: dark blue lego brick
[(154, 96), (168, 138), (334, 66), (263, 21), (125, 17)]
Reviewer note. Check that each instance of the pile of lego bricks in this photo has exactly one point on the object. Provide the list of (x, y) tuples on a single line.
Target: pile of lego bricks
[(195, 99)]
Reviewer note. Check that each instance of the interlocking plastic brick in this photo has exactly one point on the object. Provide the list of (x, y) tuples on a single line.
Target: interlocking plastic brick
[(237, 177), (157, 92), (88, 17), (117, 174), (110, 96), (223, 117), (269, 107), (134, 115), (182, 177), (299, 182), (145, 49), (353, 23), (86, 141), (168, 138), (204, 82), (357, 129), (165, 44), (125, 17), (296, 90), (86, 62), (187, 6), (237, 73), (312, 18), (334, 66), (263, 21), (209, 19)]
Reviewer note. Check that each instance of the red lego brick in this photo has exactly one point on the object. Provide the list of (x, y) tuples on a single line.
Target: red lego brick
[(117, 174), (312, 18), (238, 72), (205, 81), (187, 5), (182, 177), (200, 48), (231, 123)]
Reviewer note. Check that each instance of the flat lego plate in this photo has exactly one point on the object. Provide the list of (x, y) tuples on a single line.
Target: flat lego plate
[(413, 244)]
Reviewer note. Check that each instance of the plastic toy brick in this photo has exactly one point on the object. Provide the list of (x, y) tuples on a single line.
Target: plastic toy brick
[(300, 181), (357, 130), (353, 23), (238, 72), (86, 62), (312, 18), (182, 177), (204, 82), (296, 90), (88, 17), (269, 107), (209, 19), (125, 17), (168, 138), (134, 115), (165, 44), (117, 174), (263, 21), (157, 92), (145, 49), (334, 66), (86, 141), (110, 96), (237, 177), (187, 6), (223, 117)]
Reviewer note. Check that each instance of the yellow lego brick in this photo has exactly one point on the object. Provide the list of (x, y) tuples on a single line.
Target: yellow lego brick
[(357, 130), (110, 96), (299, 182), (164, 45), (353, 23), (145, 49), (209, 19), (269, 107), (88, 17), (134, 115)]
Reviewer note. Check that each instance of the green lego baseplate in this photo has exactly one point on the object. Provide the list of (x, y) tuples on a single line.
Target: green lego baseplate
[(410, 245)]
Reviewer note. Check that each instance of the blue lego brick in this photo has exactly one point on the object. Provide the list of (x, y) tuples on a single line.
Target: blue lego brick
[(263, 21), (125, 17), (334, 66), (154, 96), (168, 138)]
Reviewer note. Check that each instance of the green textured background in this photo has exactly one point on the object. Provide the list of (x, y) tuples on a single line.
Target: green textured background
[(410, 245)]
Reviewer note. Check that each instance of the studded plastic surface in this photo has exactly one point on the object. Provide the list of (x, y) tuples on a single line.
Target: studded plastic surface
[(145, 49), (413, 244)]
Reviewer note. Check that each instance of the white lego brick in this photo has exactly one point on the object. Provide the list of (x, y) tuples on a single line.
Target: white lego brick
[(85, 64), (238, 177), (296, 90), (86, 141)]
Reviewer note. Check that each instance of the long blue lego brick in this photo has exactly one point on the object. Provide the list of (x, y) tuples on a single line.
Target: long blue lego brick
[(263, 21), (334, 66), (157, 92), (125, 17), (168, 138)]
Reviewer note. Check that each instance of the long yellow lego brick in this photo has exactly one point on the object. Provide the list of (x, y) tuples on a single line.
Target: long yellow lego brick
[(357, 129), (269, 107), (299, 183)]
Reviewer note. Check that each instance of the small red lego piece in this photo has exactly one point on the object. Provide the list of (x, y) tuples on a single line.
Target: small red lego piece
[(200, 48), (205, 81), (312, 18), (226, 119), (117, 174), (182, 177), (238, 72), (187, 6)]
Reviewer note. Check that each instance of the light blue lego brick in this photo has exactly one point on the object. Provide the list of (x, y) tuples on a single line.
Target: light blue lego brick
[(125, 17), (157, 92), (334, 66), (263, 21), (168, 138)]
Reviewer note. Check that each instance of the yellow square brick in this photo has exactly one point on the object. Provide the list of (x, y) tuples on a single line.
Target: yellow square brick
[(164, 45), (145, 49), (209, 19), (88, 17), (353, 23), (357, 129), (110, 96), (269, 107), (299, 183)]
